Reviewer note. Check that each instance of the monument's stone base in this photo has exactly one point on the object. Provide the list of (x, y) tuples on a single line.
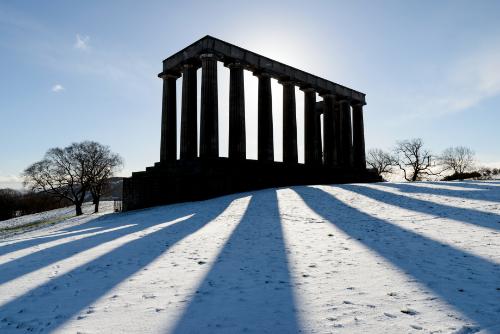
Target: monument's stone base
[(198, 179)]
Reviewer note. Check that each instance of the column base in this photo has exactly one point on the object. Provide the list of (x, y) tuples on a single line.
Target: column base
[(204, 178)]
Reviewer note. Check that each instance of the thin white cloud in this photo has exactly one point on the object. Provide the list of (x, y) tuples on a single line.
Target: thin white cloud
[(57, 88), (463, 84), (476, 78), (82, 42)]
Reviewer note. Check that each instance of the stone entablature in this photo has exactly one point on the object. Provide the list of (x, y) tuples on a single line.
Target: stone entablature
[(229, 53)]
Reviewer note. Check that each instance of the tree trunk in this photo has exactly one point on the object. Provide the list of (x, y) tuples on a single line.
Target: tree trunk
[(78, 208), (96, 205), (414, 177), (95, 200)]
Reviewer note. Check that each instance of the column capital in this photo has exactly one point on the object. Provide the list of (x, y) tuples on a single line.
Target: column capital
[(209, 56), (262, 74), (307, 89), (328, 95), (188, 65), (169, 74), (191, 63), (234, 64), (288, 81), (355, 103), (342, 98)]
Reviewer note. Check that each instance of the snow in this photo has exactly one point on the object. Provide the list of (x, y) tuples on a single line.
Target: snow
[(358, 258), (37, 220)]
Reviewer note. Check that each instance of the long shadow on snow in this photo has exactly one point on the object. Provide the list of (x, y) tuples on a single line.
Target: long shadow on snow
[(465, 281), (473, 184), (485, 194), (45, 257), (63, 297), (94, 224), (249, 285), (469, 216)]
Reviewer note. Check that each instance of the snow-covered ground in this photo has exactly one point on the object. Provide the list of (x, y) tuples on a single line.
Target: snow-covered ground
[(43, 219), (360, 258)]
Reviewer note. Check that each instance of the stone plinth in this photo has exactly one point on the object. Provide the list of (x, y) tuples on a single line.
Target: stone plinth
[(199, 179)]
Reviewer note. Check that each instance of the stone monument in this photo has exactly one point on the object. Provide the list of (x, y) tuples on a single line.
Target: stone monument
[(334, 147)]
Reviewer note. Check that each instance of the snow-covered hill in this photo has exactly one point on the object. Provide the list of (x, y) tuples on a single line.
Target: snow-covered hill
[(34, 221), (379, 258)]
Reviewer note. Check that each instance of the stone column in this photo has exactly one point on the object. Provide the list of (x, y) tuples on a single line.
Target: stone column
[(358, 136), (237, 142), (289, 123), (337, 135), (311, 137), (328, 130), (189, 135), (209, 119), (168, 144), (265, 146), (318, 149), (345, 133)]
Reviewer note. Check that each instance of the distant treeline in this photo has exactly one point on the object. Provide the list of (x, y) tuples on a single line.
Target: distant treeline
[(412, 159), (14, 203), (483, 173)]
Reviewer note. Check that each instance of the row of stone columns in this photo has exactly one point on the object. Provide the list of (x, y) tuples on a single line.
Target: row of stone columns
[(343, 135)]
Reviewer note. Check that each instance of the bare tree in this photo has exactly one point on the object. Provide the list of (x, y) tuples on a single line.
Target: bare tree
[(72, 171), (101, 165), (413, 159), (61, 173), (380, 160), (459, 159)]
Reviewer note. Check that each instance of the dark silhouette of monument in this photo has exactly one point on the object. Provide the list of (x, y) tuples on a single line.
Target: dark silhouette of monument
[(334, 147)]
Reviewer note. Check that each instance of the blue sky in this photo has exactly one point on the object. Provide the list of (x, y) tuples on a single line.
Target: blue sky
[(87, 70)]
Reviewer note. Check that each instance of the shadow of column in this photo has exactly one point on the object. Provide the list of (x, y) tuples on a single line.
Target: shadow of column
[(467, 282), (57, 301), (469, 216), (248, 288), (482, 193), (51, 236)]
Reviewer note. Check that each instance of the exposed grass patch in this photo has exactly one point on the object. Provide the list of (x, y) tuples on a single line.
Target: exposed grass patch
[(35, 224)]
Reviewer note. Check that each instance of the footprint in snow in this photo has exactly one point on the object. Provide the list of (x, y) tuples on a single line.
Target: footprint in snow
[(416, 327), (409, 311), (390, 315)]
